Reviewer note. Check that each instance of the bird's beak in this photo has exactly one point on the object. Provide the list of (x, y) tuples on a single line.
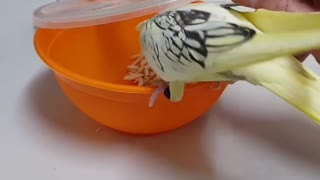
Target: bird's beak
[(141, 25)]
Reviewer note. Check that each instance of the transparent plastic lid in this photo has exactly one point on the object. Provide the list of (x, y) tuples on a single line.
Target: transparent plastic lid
[(79, 13)]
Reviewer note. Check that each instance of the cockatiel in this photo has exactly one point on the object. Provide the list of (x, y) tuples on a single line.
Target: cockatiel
[(210, 42)]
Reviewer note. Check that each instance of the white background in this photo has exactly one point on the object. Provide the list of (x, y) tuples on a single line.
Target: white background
[(249, 135)]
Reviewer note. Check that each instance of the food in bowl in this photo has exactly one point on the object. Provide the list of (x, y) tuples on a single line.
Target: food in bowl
[(141, 74)]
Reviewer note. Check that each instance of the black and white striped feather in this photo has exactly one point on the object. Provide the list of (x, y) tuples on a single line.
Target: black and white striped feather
[(180, 40)]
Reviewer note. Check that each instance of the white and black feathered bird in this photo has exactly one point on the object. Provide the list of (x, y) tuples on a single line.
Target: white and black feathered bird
[(209, 42)]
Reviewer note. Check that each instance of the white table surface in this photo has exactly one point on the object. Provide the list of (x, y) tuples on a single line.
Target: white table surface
[(249, 135)]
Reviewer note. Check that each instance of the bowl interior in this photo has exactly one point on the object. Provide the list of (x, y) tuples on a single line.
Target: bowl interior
[(98, 53)]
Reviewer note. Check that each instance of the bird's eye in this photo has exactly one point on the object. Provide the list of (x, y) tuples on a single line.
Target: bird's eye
[(166, 92)]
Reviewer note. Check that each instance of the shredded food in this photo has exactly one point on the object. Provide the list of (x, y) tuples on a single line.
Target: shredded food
[(141, 74)]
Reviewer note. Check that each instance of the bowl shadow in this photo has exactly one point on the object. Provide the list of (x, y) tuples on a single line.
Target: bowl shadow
[(183, 148)]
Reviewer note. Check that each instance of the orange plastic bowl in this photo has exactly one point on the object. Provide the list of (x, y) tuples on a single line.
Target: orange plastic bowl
[(90, 64)]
